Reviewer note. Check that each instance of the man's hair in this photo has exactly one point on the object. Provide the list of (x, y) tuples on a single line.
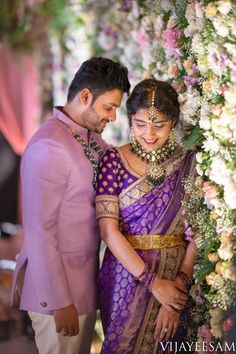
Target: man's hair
[(99, 75)]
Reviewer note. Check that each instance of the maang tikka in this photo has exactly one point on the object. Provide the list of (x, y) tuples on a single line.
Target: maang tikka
[(152, 110)]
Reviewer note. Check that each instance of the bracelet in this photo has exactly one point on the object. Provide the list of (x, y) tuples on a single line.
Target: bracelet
[(183, 276), (146, 278)]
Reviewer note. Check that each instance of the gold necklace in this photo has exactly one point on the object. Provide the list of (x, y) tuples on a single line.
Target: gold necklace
[(155, 172)]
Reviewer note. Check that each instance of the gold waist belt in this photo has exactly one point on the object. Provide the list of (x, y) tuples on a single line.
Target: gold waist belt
[(149, 242)]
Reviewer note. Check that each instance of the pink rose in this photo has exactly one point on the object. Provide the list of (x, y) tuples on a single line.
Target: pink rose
[(227, 324), (171, 37), (217, 110), (205, 333), (210, 191)]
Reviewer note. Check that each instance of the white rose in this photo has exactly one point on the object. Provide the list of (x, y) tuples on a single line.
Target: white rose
[(219, 171), (205, 123), (231, 48), (199, 157), (199, 170), (221, 27), (197, 45), (224, 6), (232, 25), (226, 252), (190, 12), (230, 194), (211, 144), (227, 115), (230, 95), (221, 129)]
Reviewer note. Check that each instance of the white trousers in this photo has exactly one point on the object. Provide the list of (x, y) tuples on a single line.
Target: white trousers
[(48, 341)]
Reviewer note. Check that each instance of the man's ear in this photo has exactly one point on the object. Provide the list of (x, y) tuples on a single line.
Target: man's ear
[(86, 97)]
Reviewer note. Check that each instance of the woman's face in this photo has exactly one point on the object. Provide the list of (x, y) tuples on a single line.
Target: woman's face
[(150, 135)]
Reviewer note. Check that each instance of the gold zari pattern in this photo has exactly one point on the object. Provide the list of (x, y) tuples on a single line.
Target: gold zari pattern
[(107, 206), (148, 242)]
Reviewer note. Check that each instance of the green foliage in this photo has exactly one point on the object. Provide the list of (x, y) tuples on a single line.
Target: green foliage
[(24, 27), (193, 138), (205, 268), (208, 33), (185, 46)]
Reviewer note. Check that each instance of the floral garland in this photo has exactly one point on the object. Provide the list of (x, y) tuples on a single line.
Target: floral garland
[(192, 45)]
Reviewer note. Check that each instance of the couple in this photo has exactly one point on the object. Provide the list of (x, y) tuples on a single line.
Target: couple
[(144, 279)]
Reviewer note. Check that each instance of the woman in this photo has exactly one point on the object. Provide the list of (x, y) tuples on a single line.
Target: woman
[(147, 265)]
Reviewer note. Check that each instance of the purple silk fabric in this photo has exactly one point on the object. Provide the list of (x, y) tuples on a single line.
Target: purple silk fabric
[(117, 288)]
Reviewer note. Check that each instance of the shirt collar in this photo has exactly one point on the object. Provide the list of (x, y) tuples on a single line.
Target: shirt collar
[(59, 114)]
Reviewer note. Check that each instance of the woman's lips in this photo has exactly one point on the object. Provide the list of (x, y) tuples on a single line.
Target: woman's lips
[(150, 142)]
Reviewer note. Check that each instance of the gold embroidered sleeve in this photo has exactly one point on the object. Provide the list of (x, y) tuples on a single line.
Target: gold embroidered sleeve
[(107, 206)]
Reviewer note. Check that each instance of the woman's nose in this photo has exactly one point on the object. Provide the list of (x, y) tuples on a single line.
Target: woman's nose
[(151, 133)]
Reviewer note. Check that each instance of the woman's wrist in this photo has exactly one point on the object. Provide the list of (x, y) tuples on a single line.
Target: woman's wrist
[(146, 278), (184, 278)]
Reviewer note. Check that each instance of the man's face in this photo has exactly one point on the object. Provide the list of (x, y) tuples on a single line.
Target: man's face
[(102, 111)]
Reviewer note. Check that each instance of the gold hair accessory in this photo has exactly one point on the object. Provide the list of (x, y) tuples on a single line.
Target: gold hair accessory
[(152, 110)]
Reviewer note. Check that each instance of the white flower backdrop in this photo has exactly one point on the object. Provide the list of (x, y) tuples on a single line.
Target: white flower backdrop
[(192, 45)]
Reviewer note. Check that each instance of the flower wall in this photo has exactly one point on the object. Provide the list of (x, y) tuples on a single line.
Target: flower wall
[(192, 45)]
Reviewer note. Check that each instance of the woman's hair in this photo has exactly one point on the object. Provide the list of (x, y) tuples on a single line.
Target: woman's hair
[(99, 75), (166, 98)]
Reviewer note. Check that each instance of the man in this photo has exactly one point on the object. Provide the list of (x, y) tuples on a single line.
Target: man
[(55, 276)]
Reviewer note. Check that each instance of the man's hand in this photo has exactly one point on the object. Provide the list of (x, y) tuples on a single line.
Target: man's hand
[(66, 320)]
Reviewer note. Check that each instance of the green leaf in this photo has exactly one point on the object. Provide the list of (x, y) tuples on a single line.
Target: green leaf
[(204, 269), (194, 138)]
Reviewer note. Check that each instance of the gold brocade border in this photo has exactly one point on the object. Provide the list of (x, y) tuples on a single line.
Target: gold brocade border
[(148, 242), (171, 259), (134, 192), (141, 187), (107, 206)]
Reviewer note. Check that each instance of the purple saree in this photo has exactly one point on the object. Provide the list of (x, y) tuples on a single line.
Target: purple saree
[(147, 215)]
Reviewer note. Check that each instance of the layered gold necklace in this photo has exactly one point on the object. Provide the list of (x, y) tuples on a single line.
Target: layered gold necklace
[(155, 172)]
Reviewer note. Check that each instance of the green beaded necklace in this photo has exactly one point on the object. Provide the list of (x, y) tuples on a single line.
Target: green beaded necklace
[(93, 144), (90, 156)]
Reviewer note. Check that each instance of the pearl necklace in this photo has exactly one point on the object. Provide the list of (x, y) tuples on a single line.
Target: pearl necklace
[(155, 172)]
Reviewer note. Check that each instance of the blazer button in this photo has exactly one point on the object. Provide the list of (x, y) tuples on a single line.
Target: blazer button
[(43, 304)]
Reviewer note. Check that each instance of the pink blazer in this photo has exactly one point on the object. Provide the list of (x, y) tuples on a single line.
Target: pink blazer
[(58, 262)]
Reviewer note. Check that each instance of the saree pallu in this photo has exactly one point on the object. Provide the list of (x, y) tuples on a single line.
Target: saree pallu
[(128, 310)]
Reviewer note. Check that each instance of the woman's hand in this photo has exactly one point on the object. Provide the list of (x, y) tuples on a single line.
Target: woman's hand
[(167, 293), (166, 324), (180, 285)]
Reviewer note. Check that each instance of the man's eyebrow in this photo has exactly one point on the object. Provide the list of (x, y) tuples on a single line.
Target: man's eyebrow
[(112, 104)]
